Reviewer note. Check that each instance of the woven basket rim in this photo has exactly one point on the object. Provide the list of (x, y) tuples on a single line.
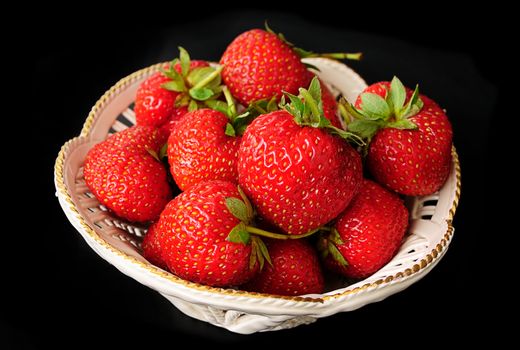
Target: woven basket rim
[(429, 259)]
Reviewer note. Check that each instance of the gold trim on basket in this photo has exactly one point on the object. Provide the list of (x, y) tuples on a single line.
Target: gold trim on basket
[(101, 103)]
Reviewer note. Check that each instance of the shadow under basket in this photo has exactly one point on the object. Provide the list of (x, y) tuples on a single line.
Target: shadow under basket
[(118, 242)]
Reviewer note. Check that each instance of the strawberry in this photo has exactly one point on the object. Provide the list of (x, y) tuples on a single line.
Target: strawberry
[(330, 106), (124, 174), (297, 174), (259, 64), (410, 138), (367, 234), (295, 270), (151, 245), (199, 149), (182, 85), (203, 238)]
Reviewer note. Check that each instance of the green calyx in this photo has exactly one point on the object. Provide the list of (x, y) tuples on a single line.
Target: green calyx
[(307, 110), (327, 245), (245, 233), (377, 112), (306, 54), (198, 88)]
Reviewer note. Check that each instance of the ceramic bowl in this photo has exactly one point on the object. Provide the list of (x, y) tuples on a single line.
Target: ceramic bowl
[(118, 242)]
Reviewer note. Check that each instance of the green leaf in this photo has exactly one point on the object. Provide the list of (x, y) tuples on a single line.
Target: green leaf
[(396, 95), (335, 237), (199, 74), (230, 130), (201, 94), (249, 206), (263, 250), (192, 106), (252, 257), (239, 234), (218, 105), (271, 105), (336, 254), (231, 107), (402, 124), (185, 61), (346, 135), (366, 129), (374, 106), (238, 208), (348, 112), (315, 89), (163, 152), (413, 106), (295, 108), (303, 53), (313, 109), (320, 122), (174, 85), (153, 153), (182, 100), (171, 72)]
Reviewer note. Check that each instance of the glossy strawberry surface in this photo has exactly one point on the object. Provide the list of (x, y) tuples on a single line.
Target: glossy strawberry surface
[(259, 65), (295, 270), (125, 177), (298, 177), (193, 231), (371, 230), (199, 149), (412, 162)]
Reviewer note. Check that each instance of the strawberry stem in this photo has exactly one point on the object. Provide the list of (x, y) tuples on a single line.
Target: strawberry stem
[(310, 102), (209, 78), (356, 56), (230, 102), (260, 232)]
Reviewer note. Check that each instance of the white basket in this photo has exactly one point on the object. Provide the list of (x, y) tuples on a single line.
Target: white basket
[(243, 312)]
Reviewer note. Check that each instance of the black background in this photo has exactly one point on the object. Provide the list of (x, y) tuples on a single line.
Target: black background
[(59, 289)]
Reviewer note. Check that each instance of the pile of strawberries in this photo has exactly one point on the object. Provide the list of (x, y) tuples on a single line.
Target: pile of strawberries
[(279, 180)]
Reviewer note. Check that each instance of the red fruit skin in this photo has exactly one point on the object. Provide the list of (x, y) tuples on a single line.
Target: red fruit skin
[(299, 178), (152, 249), (296, 270), (175, 117), (125, 178), (155, 106), (193, 230), (258, 65), (412, 162), (372, 229), (330, 106), (199, 149)]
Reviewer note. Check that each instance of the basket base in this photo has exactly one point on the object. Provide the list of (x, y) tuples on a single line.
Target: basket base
[(236, 321)]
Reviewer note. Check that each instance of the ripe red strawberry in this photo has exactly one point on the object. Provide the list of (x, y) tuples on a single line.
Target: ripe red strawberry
[(330, 106), (297, 174), (151, 245), (155, 105), (295, 270), (199, 149), (124, 176), (367, 234), (411, 138), (203, 241), (166, 96), (260, 64)]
